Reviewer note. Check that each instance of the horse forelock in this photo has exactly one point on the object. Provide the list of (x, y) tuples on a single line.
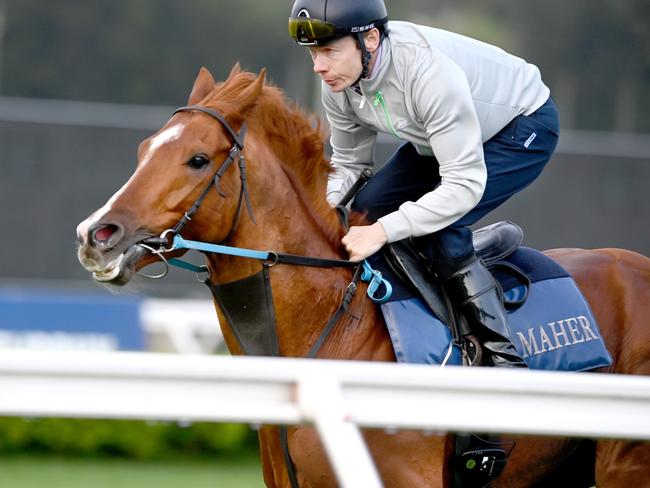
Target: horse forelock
[(296, 138)]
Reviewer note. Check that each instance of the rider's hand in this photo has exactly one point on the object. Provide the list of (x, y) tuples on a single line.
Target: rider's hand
[(364, 241)]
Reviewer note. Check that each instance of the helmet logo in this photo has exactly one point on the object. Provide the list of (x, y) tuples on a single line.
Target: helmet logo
[(362, 28), (304, 13)]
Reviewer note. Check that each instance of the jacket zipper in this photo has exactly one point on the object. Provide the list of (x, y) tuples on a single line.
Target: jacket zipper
[(379, 100)]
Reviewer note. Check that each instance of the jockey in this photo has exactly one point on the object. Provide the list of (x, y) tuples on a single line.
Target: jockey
[(477, 125)]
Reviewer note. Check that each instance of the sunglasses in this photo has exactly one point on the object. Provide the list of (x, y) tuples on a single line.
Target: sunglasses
[(312, 32)]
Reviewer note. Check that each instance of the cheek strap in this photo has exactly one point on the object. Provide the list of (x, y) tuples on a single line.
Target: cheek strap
[(365, 57)]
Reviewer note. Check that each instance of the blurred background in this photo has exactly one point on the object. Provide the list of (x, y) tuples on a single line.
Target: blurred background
[(82, 82)]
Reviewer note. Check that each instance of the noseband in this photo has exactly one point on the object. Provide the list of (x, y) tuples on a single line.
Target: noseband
[(233, 154)]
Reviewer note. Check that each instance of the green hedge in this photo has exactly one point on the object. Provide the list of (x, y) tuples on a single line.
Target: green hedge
[(124, 438)]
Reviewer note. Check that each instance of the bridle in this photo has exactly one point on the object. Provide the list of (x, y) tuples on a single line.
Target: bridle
[(235, 153), (171, 240)]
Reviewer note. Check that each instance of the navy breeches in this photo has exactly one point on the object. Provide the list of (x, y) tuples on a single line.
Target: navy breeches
[(514, 158)]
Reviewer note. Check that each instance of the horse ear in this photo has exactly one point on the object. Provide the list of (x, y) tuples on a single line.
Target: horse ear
[(249, 96), (203, 85), (234, 71)]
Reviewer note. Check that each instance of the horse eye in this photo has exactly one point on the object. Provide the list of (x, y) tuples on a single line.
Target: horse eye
[(198, 161)]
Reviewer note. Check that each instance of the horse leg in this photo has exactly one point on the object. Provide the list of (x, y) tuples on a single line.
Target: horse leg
[(274, 469), (532, 460), (312, 467), (407, 459), (622, 464)]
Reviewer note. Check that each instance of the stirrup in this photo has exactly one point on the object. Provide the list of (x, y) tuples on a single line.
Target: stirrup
[(478, 460), (471, 350)]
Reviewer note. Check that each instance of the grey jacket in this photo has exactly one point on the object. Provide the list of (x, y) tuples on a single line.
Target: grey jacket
[(446, 94)]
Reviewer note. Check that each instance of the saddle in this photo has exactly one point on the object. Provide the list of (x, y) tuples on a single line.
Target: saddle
[(492, 244), (551, 323)]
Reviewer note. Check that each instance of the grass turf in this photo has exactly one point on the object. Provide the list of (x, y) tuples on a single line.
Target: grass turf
[(56, 472)]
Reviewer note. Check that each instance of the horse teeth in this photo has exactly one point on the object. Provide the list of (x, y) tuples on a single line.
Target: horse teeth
[(111, 271)]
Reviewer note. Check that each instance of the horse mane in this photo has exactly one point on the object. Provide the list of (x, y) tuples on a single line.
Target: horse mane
[(296, 138)]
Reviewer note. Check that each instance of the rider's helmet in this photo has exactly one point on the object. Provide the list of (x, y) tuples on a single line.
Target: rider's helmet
[(317, 22)]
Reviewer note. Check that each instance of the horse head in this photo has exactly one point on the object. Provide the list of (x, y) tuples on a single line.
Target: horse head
[(174, 166), (194, 158)]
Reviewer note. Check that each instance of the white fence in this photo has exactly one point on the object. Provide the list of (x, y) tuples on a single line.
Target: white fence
[(336, 396), (181, 325)]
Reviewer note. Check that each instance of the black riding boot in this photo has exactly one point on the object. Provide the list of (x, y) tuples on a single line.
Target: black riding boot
[(475, 291)]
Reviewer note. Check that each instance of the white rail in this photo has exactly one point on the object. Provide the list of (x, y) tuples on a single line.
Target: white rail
[(186, 326), (336, 396)]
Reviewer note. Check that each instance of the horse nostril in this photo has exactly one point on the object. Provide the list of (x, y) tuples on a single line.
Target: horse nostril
[(102, 234)]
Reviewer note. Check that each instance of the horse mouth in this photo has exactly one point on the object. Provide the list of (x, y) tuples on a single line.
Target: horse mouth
[(120, 270)]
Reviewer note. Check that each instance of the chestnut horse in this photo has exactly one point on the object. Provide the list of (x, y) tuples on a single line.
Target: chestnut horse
[(286, 180)]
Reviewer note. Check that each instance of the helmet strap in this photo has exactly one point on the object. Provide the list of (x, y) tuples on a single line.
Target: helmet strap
[(365, 57)]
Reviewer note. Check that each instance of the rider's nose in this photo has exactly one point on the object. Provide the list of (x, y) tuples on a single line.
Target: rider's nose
[(319, 65)]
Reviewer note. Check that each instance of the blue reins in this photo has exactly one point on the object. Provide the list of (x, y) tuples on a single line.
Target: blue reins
[(369, 275)]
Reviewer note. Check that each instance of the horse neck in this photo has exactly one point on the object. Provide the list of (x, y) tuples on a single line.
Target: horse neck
[(304, 297), (286, 218)]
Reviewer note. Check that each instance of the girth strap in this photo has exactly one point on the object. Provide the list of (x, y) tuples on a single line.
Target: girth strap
[(347, 299), (291, 469)]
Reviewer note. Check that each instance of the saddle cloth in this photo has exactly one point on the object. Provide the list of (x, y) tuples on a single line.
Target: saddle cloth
[(551, 323)]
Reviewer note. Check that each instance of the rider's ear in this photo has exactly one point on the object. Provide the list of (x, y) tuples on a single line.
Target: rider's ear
[(372, 39), (203, 85)]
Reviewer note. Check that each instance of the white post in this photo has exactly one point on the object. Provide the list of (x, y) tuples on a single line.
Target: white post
[(320, 400)]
